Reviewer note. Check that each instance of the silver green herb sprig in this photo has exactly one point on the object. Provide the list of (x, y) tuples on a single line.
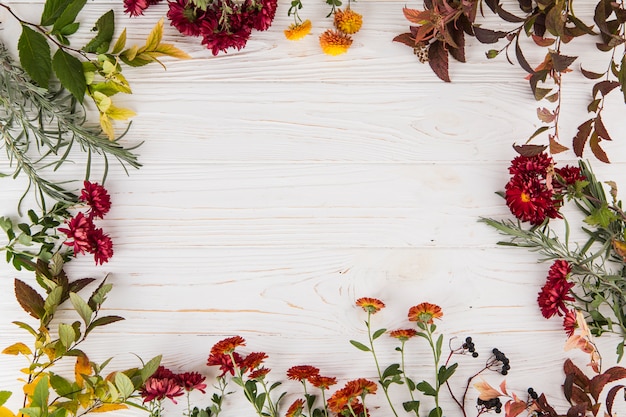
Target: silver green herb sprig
[(598, 264), (39, 128)]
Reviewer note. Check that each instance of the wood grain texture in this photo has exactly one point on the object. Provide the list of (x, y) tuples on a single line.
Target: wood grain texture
[(280, 184)]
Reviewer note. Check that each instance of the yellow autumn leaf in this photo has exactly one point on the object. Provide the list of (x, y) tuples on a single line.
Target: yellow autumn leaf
[(17, 348), (154, 38), (29, 388), (120, 43), (107, 126), (131, 52), (85, 400), (108, 67), (82, 367), (103, 102), (170, 50), (5, 412), (108, 407), (118, 113)]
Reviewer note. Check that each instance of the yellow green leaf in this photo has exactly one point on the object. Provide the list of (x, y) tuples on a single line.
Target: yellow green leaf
[(154, 38), (107, 126), (131, 52), (108, 407), (17, 348), (82, 367), (170, 50), (103, 102), (108, 67), (118, 113), (120, 43)]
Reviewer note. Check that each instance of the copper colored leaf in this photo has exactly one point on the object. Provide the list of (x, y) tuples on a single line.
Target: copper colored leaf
[(544, 406), (568, 384), (561, 62), (578, 396), (488, 35), (514, 408), (29, 299), (521, 59), (593, 106), (405, 38), (545, 115), (598, 152), (418, 17), (580, 379), (584, 130), (542, 41), (617, 372), (610, 398), (529, 150), (604, 87), (590, 74), (579, 410), (438, 60), (597, 385), (507, 16), (556, 147), (601, 129), (458, 36)]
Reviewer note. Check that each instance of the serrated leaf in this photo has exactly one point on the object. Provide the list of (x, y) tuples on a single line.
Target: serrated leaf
[(68, 15), (601, 129), (154, 38), (29, 299), (61, 386), (360, 346), (596, 149), (118, 113), (405, 38), (105, 26), (81, 308), (69, 71), (561, 62), (53, 300), (556, 147), (604, 87), (52, 10), (584, 130), (16, 349), (602, 216), (438, 60), (34, 53)]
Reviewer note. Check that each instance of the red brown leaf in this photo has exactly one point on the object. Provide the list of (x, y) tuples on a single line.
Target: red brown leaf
[(556, 147), (616, 373), (529, 150), (598, 152), (584, 130), (488, 35), (601, 129), (597, 385), (29, 299), (543, 41), (438, 60), (610, 398), (545, 115), (604, 87), (418, 17), (590, 74), (405, 38)]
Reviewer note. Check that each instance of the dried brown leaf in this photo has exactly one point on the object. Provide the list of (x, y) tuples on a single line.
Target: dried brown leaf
[(598, 152), (545, 115), (556, 147), (438, 60), (601, 129), (584, 130), (405, 38), (529, 150), (29, 299)]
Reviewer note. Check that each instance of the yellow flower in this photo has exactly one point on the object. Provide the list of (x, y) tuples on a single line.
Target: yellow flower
[(335, 43), (348, 22), (297, 31)]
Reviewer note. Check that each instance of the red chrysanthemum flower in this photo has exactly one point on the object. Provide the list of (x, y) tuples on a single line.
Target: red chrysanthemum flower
[(322, 382), (370, 305), (159, 389), (530, 200), (228, 345), (295, 409), (568, 175), (222, 41), (101, 246), (185, 17), (190, 381), (263, 14), (259, 374), (403, 334), (162, 372), (97, 197), (531, 166), (569, 322), (302, 372), (552, 298), (559, 271), (80, 228), (253, 361), (136, 7), (225, 362), (425, 313)]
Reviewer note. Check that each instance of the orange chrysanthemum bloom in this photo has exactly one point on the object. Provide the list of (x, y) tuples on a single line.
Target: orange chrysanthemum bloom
[(297, 31), (228, 345), (339, 400), (259, 374), (334, 42), (370, 305), (295, 409), (348, 22), (360, 387), (302, 372), (403, 334), (322, 382), (425, 313)]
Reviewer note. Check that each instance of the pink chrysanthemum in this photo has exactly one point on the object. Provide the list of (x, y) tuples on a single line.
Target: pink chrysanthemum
[(97, 197), (80, 228), (190, 381), (159, 389), (101, 246)]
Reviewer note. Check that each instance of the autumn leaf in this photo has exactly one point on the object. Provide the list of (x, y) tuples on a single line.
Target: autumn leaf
[(485, 391)]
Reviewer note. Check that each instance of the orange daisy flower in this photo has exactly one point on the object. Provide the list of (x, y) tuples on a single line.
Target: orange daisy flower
[(297, 31), (259, 374), (295, 409), (361, 387), (403, 334), (425, 313), (228, 345), (334, 42), (302, 372), (322, 382), (348, 21), (370, 305)]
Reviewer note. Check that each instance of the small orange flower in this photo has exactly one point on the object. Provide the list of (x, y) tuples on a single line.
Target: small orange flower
[(334, 42), (322, 382), (370, 305), (253, 360), (302, 372), (228, 345), (425, 313), (360, 387), (259, 374), (297, 31), (348, 22), (403, 334), (295, 409)]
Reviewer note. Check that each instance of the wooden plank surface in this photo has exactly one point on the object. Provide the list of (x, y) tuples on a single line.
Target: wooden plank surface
[(280, 184)]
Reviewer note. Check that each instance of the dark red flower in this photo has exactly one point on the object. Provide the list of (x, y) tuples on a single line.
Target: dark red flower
[(530, 200), (228, 345), (262, 14), (190, 381), (136, 7), (185, 17), (568, 175), (259, 374), (101, 246), (97, 197), (159, 389), (531, 166), (302, 372), (162, 372), (224, 362), (559, 271), (80, 228), (253, 361), (569, 322), (552, 298), (233, 33)]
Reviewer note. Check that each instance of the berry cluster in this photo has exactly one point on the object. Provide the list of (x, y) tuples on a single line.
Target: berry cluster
[(469, 345), (492, 404), (532, 393), (501, 357)]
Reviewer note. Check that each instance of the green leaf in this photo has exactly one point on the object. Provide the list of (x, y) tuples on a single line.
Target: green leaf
[(69, 71), (81, 307), (359, 346), (411, 406), (52, 10), (99, 295), (4, 396), (124, 385), (34, 53), (619, 350), (426, 388), (25, 239), (378, 333), (446, 372), (53, 300), (41, 393), (150, 368), (436, 412), (602, 216), (67, 335), (62, 386), (26, 327), (105, 27), (392, 370), (31, 411), (68, 15), (102, 321)]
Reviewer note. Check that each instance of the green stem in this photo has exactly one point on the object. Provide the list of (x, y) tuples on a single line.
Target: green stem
[(436, 357), (405, 377), (380, 374)]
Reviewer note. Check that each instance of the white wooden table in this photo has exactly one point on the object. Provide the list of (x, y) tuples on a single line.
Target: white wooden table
[(280, 184)]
